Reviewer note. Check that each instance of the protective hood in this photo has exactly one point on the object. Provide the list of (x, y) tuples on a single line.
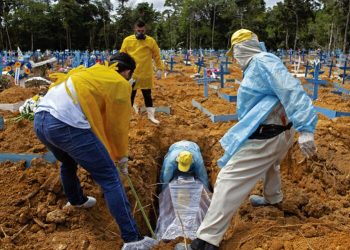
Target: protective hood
[(243, 52)]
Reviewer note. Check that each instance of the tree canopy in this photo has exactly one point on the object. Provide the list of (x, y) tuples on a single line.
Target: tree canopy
[(102, 24)]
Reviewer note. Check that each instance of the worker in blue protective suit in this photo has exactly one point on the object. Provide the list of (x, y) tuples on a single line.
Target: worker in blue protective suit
[(183, 158), (271, 105)]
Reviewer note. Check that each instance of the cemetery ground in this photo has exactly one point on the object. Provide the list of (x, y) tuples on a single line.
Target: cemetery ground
[(315, 213)]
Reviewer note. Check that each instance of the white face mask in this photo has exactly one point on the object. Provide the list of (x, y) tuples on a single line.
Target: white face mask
[(242, 62), (243, 52)]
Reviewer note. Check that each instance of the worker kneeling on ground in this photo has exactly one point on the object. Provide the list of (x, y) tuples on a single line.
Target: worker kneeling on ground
[(185, 197), (271, 103), (84, 119), (184, 158)]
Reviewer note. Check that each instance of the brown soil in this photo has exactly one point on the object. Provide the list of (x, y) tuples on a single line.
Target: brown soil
[(17, 94), (326, 99), (226, 85), (235, 72), (217, 105), (315, 213), (230, 90), (346, 84), (18, 137)]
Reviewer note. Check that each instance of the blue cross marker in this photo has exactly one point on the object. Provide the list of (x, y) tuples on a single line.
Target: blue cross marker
[(226, 63), (344, 75), (63, 58), (76, 61), (303, 54), (206, 81), (103, 57), (307, 67), (172, 62), (187, 60), (92, 60), (5, 58), (330, 69), (315, 94), (86, 59), (200, 63)]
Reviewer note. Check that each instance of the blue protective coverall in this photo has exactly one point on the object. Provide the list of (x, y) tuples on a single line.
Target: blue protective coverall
[(170, 169), (266, 83), (268, 94)]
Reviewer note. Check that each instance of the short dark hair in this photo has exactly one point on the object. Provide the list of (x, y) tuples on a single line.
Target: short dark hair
[(140, 23), (124, 60)]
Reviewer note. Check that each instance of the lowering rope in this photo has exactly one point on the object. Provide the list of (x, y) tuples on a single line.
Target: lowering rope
[(138, 202)]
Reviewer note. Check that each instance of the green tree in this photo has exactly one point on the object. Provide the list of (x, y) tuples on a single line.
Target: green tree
[(123, 2), (122, 25), (30, 18), (6, 10), (149, 15)]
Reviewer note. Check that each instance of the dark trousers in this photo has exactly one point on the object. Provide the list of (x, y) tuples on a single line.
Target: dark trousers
[(147, 96), (73, 146)]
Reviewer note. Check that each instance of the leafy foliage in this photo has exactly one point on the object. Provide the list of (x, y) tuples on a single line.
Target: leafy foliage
[(98, 24), (4, 83)]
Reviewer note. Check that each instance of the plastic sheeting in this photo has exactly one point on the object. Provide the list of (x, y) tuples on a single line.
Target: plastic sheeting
[(266, 82), (182, 207)]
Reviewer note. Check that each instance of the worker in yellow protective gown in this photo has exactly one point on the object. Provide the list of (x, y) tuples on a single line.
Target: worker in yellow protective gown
[(84, 119), (143, 49)]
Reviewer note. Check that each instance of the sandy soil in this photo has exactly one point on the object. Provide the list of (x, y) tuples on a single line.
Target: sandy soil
[(230, 90), (315, 213), (17, 94), (327, 99)]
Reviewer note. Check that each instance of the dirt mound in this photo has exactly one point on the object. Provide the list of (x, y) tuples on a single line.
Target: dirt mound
[(17, 94), (33, 213), (19, 137), (330, 100), (315, 212)]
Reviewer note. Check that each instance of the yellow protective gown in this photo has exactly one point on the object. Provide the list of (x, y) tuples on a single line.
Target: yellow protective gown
[(143, 51), (104, 96)]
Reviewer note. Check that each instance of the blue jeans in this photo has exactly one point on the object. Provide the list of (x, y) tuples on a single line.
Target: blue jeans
[(73, 146)]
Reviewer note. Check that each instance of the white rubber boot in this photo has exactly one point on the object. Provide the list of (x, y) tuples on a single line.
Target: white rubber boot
[(136, 108), (89, 203), (150, 115)]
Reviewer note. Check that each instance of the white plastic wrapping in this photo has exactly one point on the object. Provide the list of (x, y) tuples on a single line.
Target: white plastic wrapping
[(182, 207)]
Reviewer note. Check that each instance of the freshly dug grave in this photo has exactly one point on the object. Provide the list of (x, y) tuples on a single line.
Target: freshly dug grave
[(329, 100), (315, 213), (232, 90), (217, 105)]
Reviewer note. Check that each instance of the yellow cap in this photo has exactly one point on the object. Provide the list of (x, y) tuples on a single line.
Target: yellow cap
[(238, 37), (184, 161)]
